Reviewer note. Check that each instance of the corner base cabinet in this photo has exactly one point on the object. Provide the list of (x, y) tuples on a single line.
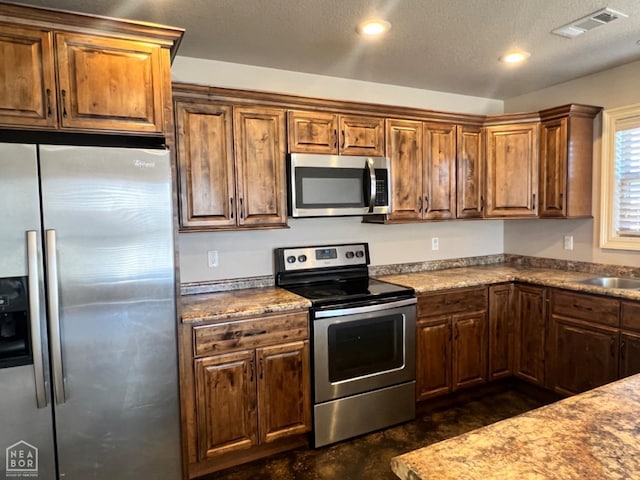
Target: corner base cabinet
[(249, 391)]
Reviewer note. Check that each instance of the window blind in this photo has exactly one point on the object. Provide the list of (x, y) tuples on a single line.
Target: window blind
[(627, 182)]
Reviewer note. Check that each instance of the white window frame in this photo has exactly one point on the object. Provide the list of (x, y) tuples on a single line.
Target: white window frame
[(613, 120)]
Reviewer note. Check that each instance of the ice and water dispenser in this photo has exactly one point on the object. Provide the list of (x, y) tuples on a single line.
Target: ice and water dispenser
[(15, 342)]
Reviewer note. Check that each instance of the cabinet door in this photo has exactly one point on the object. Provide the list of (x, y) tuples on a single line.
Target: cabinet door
[(629, 354), (470, 181), (205, 165), (530, 331), (225, 403), (27, 81), (433, 358), (361, 135), (259, 136), (469, 349), (500, 331), (404, 149), (109, 84), (512, 170), (313, 132), (284, 390), (553, 168), (583, 355), (439, 170)]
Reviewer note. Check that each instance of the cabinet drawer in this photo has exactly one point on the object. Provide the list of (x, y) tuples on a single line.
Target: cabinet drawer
[(453, 301), (249, 333), (630, 316), (585, 307)]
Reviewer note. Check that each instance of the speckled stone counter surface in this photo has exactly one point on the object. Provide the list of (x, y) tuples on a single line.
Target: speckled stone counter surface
[(424, 282), (594, 435), (212, 307)]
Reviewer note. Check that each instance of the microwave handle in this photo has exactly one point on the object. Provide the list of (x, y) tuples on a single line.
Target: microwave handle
[(372, 184)]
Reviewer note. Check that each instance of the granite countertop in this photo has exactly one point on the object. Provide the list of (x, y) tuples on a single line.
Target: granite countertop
[(207, 307), (423, 282), (211, 307), (593, 435)]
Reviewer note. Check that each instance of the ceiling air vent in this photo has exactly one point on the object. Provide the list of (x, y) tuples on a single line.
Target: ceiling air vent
[(591, 21)]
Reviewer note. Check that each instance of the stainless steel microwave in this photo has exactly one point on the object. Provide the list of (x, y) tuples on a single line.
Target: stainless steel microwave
[(338, 185)]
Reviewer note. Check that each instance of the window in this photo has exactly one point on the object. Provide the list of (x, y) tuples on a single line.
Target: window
[(620, 222)]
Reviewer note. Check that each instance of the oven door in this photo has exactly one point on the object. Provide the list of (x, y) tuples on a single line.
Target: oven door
[(337, 185), (361, 349)]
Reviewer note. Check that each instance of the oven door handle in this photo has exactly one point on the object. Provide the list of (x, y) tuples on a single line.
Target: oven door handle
[(366, 309)]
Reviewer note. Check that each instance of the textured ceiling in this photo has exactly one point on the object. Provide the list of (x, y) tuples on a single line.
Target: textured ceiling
[(445, 45)]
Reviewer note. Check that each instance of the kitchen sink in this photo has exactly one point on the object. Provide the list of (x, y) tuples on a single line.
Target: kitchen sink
[(613, 282)]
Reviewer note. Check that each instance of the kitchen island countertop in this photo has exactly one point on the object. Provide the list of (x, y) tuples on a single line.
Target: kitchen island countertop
[(593, 435)]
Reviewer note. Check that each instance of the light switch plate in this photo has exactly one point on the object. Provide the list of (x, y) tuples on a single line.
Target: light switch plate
[(568, 242), (435, 243), (212, 256)]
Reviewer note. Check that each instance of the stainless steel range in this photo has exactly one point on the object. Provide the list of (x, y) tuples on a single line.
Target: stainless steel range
[(363, 339)]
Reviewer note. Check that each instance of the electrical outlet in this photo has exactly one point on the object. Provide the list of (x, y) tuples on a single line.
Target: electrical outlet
[(435, 243), (212, 256), (568, 242)]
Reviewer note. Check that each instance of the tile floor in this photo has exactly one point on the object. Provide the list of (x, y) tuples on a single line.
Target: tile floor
[(367, 457)]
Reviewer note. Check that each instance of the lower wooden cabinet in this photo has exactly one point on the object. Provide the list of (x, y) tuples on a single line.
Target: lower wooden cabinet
[(584, 341), (501, 316), (451, 341), (530, 334), (249, 395)]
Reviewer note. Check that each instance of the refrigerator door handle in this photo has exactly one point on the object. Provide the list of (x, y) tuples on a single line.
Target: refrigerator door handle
[(34, 317), (54, 317)]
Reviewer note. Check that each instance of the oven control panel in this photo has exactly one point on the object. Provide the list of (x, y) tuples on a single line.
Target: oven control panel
[(327, 256)]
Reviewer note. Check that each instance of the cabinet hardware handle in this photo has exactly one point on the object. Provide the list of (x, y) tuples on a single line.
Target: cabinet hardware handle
[(231, 209), (48, 102), (421, 204), (261, 368), (426, 203), (450, 332), (457, 332), (623, 349), (561, 197), (251, 371), (335, 139), (534, 201), (64, 103), (481, 203), (582, 307), (613, 344), (241, 210), (344, 140)]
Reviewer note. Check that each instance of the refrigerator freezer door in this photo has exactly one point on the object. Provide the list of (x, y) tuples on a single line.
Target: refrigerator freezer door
[(109, 210), (26, 431)]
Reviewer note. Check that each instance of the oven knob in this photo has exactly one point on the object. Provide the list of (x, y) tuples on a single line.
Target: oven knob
[(302, 258), (291, 259), (349, 254), (359, 254)]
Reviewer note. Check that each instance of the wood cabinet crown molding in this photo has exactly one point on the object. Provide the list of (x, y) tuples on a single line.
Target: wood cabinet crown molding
[(50, 18)]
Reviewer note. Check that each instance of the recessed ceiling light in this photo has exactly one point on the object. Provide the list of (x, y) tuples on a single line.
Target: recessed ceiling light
[(514, 56), (372, 28)]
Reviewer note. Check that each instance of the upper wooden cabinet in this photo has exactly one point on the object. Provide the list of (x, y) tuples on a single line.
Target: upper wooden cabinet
[(512, 170), (27, 88), (470, 172), (231, 165), (566, 161), (405, 151), (71, 75), (330, 133), (423, 170), (439, 171)]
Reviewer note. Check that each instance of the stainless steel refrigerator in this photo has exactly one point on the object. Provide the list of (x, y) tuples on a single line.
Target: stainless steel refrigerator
[(88, 368)]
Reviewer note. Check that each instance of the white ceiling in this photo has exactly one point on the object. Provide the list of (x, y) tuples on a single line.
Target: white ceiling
[(444, 45)]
